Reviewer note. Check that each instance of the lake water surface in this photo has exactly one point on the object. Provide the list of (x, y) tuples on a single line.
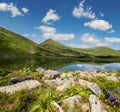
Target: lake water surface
[(56, 64), (91, 67)]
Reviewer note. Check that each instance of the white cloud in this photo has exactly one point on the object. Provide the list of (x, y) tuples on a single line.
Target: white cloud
[(47, 29), (92, 39), (25, 10), (33, 35), (50, 16), (80, 12), (50, 33), (89, 38), (112, 39), (98, 25), (12, 9)]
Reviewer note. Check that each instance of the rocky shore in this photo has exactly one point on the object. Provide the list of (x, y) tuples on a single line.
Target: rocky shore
[(82, 83)]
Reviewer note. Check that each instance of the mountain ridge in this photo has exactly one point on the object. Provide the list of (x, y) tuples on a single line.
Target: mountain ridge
[(13, 44)]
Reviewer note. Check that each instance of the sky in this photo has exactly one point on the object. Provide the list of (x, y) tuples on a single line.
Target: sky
[(75, 23)]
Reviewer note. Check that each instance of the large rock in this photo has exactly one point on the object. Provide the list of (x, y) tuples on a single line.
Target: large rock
[(95, 104), (71, 102), (61, 84), (50, 74), (58, 108), (28, 84), (92, 86), (20, 79)]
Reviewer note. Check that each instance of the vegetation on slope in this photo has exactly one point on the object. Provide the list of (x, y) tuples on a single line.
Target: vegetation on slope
[(58, 49), (12, 44), (99, 51), (39, 99)]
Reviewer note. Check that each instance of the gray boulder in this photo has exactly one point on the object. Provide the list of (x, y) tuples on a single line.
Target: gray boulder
[(28, 84), (50, 74), (95, 104), (40, 69), (71, 102), (58, 108), (92, 86)]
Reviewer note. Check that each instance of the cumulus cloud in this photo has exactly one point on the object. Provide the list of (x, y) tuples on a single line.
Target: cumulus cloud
[(50, 33), (98, 25), (12, 9), (80, 12), (89, 38), (25, 10), (92, 39), (112, 39), (50, 16), (47, 29)]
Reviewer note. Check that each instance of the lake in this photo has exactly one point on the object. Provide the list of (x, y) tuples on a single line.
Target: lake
[(91, 67), (59, 64)]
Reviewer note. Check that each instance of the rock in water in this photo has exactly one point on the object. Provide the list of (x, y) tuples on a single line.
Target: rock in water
[(20, 86), (95, 104)]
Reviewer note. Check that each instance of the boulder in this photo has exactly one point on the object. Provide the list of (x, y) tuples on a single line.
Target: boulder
[(40, 69), (28, 84), (50, 74), (15, 80), (71, 102), (95, 104), (58, 108), (92, 86)]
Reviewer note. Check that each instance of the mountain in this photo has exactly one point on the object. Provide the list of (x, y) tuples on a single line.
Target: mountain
[(99, 51), (55, 48), (12, 44)]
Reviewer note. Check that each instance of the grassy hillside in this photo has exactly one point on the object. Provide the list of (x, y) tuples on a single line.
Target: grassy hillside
[(12, 44), (99, 51), (57, 49)]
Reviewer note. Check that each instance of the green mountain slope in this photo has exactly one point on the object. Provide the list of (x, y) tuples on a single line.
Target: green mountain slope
[(57, 49), (12, 44), (99, 51)]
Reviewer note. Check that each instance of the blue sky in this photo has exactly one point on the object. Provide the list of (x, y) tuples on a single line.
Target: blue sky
[(76, 23)]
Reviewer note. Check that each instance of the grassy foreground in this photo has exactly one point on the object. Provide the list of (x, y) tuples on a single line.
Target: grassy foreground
[(39, 99)]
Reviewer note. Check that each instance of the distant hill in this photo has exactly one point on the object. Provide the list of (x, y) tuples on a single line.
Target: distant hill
[(12, 44), (99, 51), (55, 48)]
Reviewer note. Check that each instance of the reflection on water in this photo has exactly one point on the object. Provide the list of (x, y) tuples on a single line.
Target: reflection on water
[(55, 64), (90, 67)]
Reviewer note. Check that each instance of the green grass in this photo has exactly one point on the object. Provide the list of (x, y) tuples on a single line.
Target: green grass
[(12, 44), (39, 99), (99, 51)]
